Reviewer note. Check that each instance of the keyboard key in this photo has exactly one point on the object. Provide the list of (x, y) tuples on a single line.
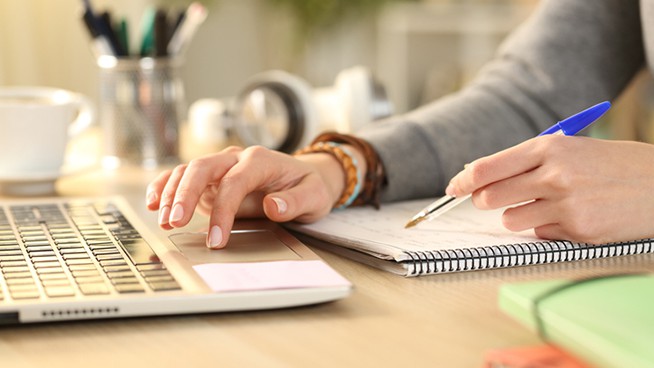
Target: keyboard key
[(124, 267), (125, 280), (21, 263), (37, 243), (101, 251), (94, 289), (53, 276), (12, 269), (21, 281), (11, 258), (80, 261), (48, 270), (31, 294), (157, 272), (129, 288), (164, 285), (42, 253), (59, 291), (38, 248), (89, 266), (10, 252), (109, 257), (139, 251), (120, 274), (75, 250), (79, 273), (111, 262), (43, 259), (55, 282), (19, 275), (41, 265), (22, 287), (89, 279), (159, 278), (70, 256)]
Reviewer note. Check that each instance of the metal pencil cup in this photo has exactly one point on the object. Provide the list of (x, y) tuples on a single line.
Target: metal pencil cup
[(140, 105)]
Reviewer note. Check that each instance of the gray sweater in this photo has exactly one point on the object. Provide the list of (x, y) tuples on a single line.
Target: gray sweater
[(569, 55)]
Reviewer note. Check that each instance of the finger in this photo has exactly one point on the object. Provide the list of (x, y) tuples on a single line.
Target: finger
[(251, 207), (551, 232), (199, 174), (168, 194), (504, 164), (258, 169), (511, 191), (530, 215), (305, 202), (154, 189), (243, 178)]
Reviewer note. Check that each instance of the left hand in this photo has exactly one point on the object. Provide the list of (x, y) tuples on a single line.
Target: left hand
[(573, 188)]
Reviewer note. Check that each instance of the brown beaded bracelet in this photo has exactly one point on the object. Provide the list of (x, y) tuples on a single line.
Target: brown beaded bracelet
[(374, 179), (348, 162)]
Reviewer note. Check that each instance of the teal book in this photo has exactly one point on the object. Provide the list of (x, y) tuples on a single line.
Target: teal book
[(606, 321)]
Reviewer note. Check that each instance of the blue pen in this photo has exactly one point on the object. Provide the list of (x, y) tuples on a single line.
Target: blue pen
[(570, 126)]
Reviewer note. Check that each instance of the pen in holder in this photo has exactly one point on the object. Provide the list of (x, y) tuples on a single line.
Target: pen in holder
[(141, 104)]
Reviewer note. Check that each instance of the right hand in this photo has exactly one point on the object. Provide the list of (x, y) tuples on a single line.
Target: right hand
[(246, 182)]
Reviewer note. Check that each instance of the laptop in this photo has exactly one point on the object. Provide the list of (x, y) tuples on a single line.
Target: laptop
[(91, 258)]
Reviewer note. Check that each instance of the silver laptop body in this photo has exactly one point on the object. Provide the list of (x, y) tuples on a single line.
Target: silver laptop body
[(89, 258)]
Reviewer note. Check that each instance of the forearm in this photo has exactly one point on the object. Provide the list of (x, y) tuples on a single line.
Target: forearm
[(563, 59)]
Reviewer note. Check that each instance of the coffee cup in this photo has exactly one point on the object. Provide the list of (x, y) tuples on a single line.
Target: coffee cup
[(36, 124)]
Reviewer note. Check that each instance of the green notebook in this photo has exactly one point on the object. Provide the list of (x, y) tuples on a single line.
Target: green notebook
[(607, 322)]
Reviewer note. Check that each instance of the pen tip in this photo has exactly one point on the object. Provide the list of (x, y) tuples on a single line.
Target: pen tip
[(413, 222)]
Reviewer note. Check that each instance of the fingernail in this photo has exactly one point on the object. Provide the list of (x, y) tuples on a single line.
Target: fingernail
[(450, 190), (465, 166), (215, 237), (151, 197), (177, 213), (164, 214), (282, 206)]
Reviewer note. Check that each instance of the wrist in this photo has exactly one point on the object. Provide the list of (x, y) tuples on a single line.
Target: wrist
[(342, 168), (329, 169)]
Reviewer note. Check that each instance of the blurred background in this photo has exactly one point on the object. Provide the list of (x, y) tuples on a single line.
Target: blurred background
[(419, 50)]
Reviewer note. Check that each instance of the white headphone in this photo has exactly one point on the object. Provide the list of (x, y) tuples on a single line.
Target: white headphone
[(281, 111)]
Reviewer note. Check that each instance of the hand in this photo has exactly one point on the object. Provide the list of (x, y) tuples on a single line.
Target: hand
[(250, 182), (573, 188)]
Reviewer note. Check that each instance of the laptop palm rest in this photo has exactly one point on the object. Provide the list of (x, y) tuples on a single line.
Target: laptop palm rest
[(243, 246)]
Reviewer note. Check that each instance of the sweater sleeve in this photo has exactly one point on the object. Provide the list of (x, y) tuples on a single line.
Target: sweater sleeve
[(569, 55)]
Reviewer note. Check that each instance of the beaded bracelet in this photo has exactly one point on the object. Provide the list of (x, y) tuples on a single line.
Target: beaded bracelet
[(353, 177), (375, 176)]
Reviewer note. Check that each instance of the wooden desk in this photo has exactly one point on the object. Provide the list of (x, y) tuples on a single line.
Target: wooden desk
[(436, 321)]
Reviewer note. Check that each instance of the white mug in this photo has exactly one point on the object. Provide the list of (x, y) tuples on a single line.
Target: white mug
[(35, 126)]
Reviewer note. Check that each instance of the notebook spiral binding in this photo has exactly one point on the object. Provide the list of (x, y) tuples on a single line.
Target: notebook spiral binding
[(500, 256)]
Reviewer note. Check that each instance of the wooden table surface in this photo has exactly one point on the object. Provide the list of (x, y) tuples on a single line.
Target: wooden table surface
[(447, 320)]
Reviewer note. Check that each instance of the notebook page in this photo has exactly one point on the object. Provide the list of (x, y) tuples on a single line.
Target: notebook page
[(382, 232)]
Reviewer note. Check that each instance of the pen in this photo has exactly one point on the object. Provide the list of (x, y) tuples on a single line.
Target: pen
[(569, 126), (160, 33), (147, 31), (195, 14), (105, 19), (101, 45)]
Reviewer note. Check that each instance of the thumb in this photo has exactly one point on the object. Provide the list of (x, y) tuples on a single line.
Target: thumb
[(298, 203)]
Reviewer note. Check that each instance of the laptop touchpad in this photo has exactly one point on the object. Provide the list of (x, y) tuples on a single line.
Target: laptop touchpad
[(243, 246)]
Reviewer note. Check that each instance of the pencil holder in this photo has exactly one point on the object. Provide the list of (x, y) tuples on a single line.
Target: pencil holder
[(141, 102)]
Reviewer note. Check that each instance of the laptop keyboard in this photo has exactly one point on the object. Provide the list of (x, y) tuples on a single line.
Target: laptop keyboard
[(75, 248)]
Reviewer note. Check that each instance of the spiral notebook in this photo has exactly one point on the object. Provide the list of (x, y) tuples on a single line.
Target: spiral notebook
[(463, 239)]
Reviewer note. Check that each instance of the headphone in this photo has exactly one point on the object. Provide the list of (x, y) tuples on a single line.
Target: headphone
[(283, 112)]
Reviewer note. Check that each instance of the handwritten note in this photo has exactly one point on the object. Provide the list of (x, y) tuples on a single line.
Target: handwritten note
[(222, 277), (382, 232)]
